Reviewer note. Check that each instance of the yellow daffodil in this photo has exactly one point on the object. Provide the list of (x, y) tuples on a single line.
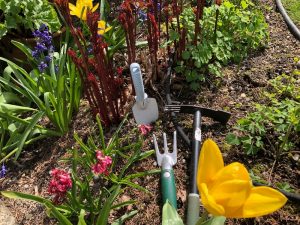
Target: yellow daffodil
[(101, 27), (81, 7), (228, 191)]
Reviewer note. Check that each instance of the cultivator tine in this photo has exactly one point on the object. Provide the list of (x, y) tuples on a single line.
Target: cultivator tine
[(174, 152), (158, 154), (167, 154)]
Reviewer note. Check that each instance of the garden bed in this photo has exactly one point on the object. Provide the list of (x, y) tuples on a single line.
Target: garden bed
[(241, 87)]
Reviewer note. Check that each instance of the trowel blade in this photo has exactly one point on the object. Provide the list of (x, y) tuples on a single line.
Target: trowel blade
[(146, 115)]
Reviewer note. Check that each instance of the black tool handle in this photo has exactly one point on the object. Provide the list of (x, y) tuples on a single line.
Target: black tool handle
[(196, 143)]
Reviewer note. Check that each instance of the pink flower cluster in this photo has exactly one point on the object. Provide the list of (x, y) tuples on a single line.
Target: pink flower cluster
[(59, 185), (145, 128), (103, 162)]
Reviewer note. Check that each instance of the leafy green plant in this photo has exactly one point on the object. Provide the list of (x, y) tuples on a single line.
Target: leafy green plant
[(18, 125), (21, 15), (92, 195), (228, 33), (55, 91), (276, 125)]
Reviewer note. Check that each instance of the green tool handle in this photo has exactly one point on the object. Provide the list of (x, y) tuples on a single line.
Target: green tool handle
[(193, 209), (168, 187)]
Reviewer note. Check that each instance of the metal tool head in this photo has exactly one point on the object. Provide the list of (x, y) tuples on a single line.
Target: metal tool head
[(166, 159)]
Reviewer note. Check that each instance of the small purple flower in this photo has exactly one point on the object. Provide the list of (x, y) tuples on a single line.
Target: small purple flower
[(142, 15), (3, 171), (41, 47), (44, 48), (48, 58), (42, 66)]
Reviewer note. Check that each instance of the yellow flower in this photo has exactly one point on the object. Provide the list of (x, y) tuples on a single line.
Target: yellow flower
[(228, 191), (101, 27), (81, 7)]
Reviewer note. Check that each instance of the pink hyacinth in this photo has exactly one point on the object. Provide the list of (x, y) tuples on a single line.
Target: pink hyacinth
[(145, 128), (103, 163), (59, 185)]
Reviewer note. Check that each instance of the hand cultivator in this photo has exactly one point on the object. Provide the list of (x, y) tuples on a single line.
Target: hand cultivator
[(167, 160)]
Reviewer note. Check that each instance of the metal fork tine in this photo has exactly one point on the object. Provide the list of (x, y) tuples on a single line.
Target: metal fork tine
[(165, 143), (173, 108), (158, 154), (174, 152)]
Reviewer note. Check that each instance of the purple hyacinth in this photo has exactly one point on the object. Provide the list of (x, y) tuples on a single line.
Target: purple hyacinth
[(42, 66), (44, 47), (3, 171)]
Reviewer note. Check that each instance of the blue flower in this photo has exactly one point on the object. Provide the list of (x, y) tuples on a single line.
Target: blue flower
[(44, 48), (3, 171), (42, 66)]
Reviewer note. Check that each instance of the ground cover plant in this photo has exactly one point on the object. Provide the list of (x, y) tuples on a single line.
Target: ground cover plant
[(274, 125), (89, 174)]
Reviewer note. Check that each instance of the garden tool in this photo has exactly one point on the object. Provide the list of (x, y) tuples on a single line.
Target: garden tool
[(145, 110), (167, 160), (221, 116)]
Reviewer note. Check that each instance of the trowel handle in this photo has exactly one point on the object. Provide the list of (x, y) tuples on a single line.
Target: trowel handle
[(137, 79), (168, 188)]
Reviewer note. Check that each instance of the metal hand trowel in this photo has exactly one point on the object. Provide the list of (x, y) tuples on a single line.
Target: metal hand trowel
[(145, 110)]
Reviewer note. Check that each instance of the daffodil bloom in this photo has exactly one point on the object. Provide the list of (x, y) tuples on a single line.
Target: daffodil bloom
[(228, 191), (102, 27), (81, 7)]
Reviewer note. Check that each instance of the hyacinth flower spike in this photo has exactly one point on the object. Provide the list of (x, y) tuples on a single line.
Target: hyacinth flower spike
[(80, 10), (228, 191)]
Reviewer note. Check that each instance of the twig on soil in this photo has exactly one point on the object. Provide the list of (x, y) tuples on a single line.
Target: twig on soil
[(272, 169)]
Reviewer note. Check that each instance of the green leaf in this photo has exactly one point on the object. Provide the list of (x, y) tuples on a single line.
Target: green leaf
[(104, 213), (81, 220), (170, 215), (3, 30), (18, 195), (186, 55), (232, 139), (60, 217), (126, 216), (27, 131), (218, 220)]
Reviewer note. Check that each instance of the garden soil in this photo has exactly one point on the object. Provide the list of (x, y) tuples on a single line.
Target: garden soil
[(240, 88)]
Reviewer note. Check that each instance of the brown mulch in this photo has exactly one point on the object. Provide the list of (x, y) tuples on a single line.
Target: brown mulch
[(242, 85)]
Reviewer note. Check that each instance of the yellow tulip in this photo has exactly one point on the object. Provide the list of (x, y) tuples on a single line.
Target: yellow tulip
[(101, 27), (81, 7), (228, 190)]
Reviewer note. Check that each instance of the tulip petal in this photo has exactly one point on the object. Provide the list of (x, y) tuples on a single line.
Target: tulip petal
[(231, 194), (262, 201), (209, 203), (233, 171), (210, 162)]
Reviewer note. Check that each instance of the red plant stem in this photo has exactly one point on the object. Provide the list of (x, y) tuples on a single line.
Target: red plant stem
[(199, 15)]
